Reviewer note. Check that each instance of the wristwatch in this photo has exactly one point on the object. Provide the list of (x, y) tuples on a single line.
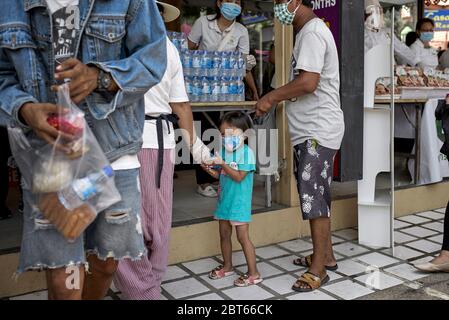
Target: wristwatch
[(104, 81)]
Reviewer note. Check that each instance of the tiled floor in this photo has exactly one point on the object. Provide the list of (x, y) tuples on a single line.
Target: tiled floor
[(362, 270)]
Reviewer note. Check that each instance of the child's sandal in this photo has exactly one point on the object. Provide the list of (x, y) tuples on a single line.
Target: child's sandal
[(246, 281), (220, 273)]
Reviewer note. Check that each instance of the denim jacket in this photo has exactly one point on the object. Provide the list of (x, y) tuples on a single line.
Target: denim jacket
[(123, 37)]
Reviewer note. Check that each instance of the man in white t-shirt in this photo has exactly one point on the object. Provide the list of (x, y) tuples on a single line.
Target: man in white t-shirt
[(165, 104), (316, 126)]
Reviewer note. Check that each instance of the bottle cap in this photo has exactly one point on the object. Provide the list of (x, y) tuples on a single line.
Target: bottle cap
[(108, 171)]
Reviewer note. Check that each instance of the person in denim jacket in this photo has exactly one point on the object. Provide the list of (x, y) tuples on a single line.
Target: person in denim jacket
[(118, 53)]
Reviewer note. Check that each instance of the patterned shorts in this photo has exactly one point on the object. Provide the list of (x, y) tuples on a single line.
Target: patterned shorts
[(314, 171)]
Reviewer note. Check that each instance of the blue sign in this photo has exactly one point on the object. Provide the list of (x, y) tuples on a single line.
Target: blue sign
[(440, 17)]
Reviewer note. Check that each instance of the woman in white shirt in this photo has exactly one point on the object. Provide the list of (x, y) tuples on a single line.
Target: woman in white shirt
[(426, 55)]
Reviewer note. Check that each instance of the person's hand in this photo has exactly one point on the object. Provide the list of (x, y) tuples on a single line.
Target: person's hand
[(209, 170), (35, 115), (251, 62), (255, 96), (264, 105), (83, 78), (217, 160)]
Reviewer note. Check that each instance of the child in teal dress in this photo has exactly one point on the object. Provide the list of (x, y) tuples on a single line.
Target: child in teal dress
[(235, 169)]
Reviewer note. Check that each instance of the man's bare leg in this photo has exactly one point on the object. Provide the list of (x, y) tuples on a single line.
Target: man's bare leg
[(99, 278), (65, 283)]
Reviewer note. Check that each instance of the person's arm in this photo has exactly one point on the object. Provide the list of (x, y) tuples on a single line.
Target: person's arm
[(194, 38), (252, 85), (404, 53), (184, 112), (192, 45)]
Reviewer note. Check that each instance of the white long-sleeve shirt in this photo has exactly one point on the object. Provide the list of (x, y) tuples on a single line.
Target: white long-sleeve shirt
[(428, 57)]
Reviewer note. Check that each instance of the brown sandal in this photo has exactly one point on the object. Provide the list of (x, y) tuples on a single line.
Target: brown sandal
[(307, 262), (311, 280)]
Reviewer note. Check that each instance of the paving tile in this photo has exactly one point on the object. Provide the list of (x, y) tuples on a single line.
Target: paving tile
[(314, 295), (40, 295), (221, 283), (184, 288), (437, 239), (264, 268), (379, 280), (282, 284), (422, 260), (349, 249), (238, 258), (419, 232), (406, 271), (174, 272), (400, 237), (441, 210), (398, 224), (431, 215), (108, 298), (210, 296), (286, 263), (351, 267), (248, 293), (403, 253), (436, 226), (348, 290), (377, 259), (270, 252), (297, 245), (348, 234), (201, 266), (414, 219), (425, 246)]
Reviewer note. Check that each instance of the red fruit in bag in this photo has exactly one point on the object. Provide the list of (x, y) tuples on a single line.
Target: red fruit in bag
[(61, 123)]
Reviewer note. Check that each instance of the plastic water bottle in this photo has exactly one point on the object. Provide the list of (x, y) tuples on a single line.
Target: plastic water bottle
[(189, 87), (197, 89), (225, 63), (196, 63), (206, 63), (234, 64), (224, 94), (241, 90), (206, 90), (233, 89), (215, 90), (82, 190), (216, 64), (187, 62), (241, 66)]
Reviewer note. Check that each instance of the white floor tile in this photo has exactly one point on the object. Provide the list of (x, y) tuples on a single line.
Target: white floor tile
[(422, 260), (238, 258), (348, 290), (436, 226), (221, 283), (108, 298), (211, 296), (438, 239), (419, 232), (286, 263), (201, 266), (441, 210), (264, 268), (314, 295), (403, 253), (376, 259), (349, 249), (336, 240), (184, 288), (248, 293), (348, 234), (174, 272), (431, 215), (425, 246), (40, 295), (351, 267), (297, 245), (379, 280), (414, 219), (398, 224), (406, 271), (400, 237), (282, 284), (270, 252)]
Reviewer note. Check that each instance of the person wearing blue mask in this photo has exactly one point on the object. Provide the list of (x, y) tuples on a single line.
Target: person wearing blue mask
[(221, 31), (427, 55)]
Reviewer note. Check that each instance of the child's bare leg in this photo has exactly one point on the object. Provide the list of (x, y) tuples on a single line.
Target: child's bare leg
[(226, 244), (248, 249)]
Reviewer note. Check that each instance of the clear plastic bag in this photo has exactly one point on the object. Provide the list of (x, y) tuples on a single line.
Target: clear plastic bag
[(72, 187)]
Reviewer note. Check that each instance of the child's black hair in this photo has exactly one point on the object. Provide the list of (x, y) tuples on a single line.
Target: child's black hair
[(237, 119)]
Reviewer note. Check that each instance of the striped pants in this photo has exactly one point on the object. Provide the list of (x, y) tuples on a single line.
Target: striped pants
[(141, 280)]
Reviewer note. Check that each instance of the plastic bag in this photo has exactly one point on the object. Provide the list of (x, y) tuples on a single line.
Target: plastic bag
[(70, 188)]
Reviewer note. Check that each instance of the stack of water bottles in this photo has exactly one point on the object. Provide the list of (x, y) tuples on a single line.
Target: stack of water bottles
[(214, 76), (179, 40)]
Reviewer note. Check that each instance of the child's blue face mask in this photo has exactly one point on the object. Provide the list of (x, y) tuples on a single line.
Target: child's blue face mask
[(232, 143)]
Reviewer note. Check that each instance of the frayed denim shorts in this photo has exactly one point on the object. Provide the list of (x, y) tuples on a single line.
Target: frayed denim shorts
[(116, 232)]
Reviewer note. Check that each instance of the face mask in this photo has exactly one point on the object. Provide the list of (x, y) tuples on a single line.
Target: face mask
[(231, 143), (230, 11), (282, 13), (426, 36)]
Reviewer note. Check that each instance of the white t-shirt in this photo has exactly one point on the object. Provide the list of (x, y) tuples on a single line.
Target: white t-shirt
[(428, 57), (208, 35), (317, 115), (55, 5), (171, 89), (444, 60)]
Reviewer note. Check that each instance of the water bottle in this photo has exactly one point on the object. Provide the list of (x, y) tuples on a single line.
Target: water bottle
[(196, 63), (233, 89), (216, 64), (241, 66), (82, 190), (241, 90), (183, 42), (206, 90), (206, 64), (187, 62), (224, 94), (225, 63), (197, 89), (189, 87), (215, 90), (234, 64)]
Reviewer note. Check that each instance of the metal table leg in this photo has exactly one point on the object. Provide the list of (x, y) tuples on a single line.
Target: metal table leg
[(418, 144)]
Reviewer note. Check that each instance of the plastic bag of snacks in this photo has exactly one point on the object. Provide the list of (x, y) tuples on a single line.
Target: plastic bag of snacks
[(69, 185)]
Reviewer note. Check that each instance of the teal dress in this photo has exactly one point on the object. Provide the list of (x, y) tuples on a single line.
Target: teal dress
[(235, 198)]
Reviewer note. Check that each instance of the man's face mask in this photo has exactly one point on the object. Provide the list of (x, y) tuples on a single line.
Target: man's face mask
[(282, 13), (426, 36), (375, 20)]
